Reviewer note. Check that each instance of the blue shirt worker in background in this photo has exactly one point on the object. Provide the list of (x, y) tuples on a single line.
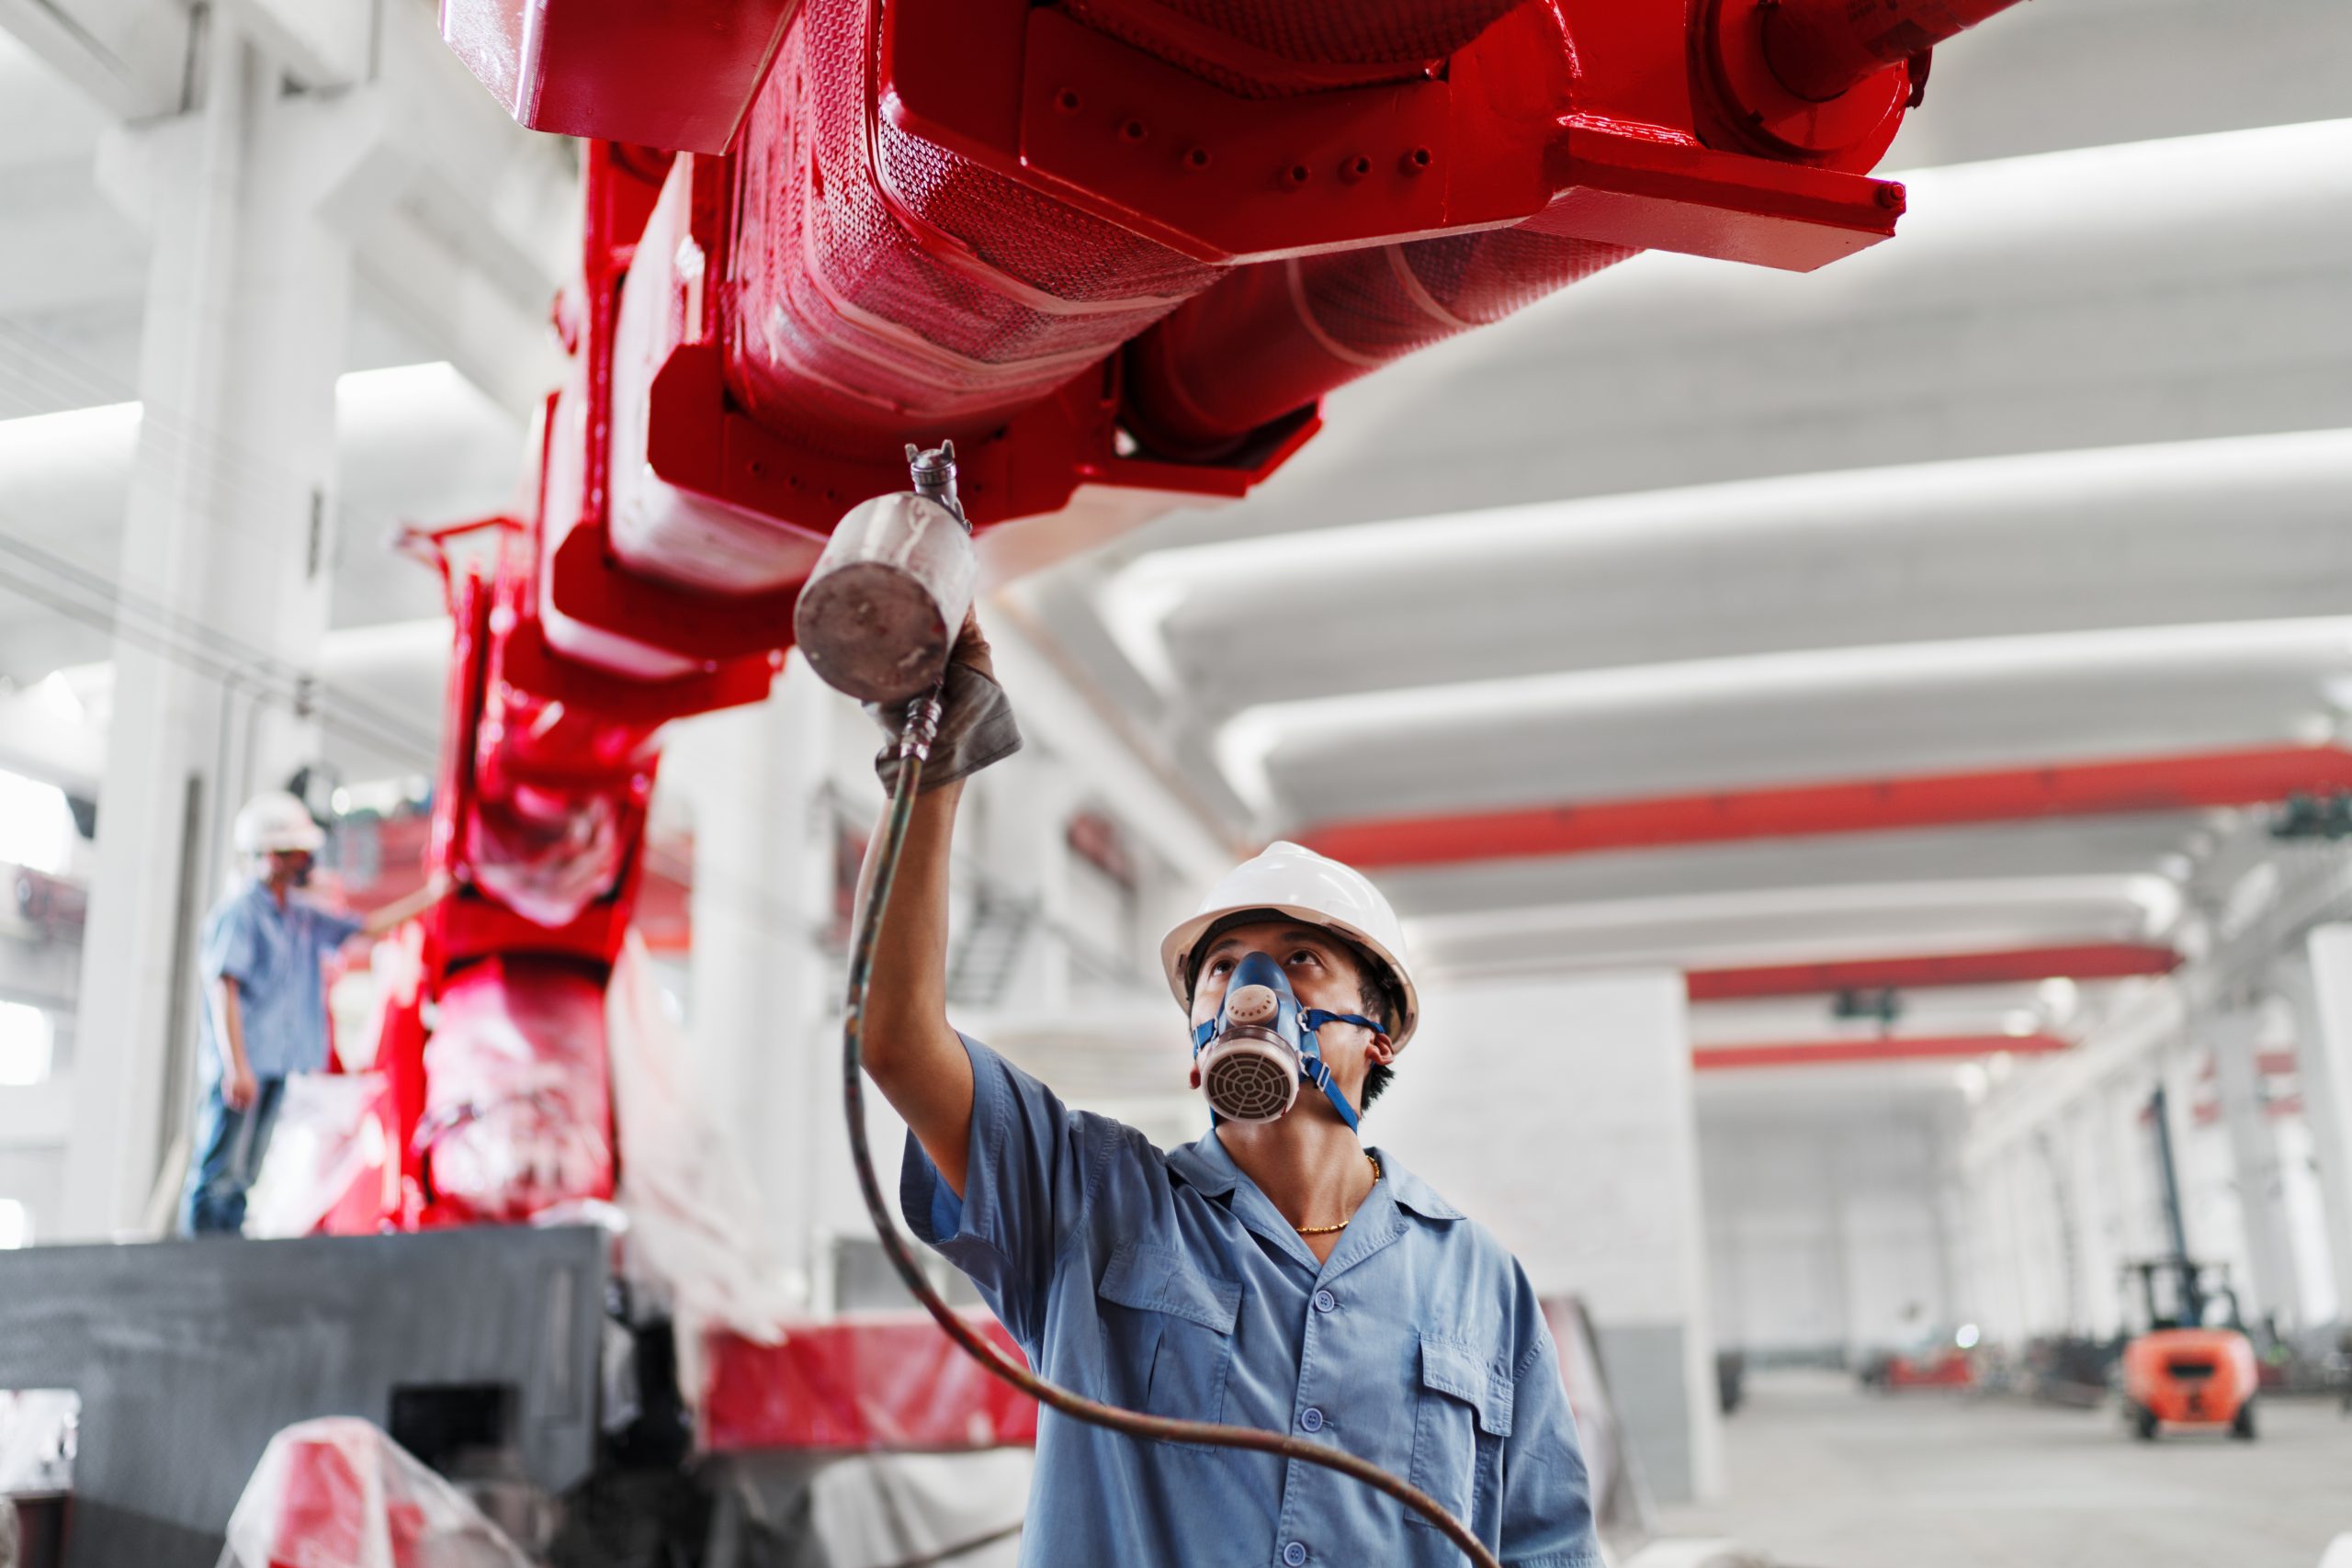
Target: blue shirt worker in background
[(264, 1013), (1275, 1274)]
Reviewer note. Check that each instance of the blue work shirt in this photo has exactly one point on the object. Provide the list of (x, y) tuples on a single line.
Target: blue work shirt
[(274, 955), (1171, 1283)]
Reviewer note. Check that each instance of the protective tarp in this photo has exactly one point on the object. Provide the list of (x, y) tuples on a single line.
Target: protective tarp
[(329, 1160), (546, 854), (337, 1492), (517, 1108), (871, 1511), (40, 1435), (695, 1235), (870, 1381)]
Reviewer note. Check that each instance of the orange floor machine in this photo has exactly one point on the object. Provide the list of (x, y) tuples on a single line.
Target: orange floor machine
[(2193, 1367)]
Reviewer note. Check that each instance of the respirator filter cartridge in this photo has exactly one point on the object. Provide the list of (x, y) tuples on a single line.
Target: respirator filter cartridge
[(1250, 1072)]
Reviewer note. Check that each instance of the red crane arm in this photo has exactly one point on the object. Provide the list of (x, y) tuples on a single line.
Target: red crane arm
[(1117, 248)]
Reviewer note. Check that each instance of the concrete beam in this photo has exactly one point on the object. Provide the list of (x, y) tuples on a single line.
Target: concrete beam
[(1085, 731), (68, 248), (2176, 534), (2029, 305), (130, 55), (1790, 924), (36, 1115)]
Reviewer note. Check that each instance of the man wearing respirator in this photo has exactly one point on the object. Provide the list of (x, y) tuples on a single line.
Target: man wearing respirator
[(1276, 1273)]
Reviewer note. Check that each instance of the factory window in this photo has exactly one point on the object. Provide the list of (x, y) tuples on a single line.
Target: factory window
[(27, 1040), (16, 1225), (36, 824)]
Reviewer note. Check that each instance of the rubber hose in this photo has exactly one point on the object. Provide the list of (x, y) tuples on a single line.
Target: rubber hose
[(1151, 1429)]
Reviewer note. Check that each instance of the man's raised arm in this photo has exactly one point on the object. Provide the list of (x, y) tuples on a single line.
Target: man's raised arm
[(912, 1054), (914, 1058)]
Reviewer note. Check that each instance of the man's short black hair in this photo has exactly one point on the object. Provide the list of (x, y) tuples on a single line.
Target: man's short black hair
[(1378, 995)]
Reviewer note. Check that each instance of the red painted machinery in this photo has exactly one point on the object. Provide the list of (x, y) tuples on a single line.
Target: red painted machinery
[(1116, 249)]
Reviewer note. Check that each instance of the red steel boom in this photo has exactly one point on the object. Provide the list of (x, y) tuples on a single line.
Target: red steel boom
[(1116, 249)]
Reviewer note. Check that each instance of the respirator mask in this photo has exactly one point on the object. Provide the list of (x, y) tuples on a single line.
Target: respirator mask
[(1261, 1046)]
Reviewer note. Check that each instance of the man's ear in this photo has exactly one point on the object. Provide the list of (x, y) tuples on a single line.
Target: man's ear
[(1381, 1051)]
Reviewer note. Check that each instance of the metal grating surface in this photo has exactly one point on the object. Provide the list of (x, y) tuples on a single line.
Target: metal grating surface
[(834, 297)]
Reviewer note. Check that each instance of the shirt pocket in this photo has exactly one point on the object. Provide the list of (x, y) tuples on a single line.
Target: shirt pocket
[(1458, 1431), (1167, 1333)]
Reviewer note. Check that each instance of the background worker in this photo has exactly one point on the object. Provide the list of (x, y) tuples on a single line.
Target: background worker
[(264, 1013), (1275, 1274)]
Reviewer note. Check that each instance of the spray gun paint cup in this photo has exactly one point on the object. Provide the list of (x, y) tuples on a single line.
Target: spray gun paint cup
[(881, 613)]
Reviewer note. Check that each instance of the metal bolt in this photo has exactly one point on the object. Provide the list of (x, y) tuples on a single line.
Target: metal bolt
[(1890, 195)]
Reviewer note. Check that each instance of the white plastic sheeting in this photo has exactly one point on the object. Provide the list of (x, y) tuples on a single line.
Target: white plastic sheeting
[(337, 1492), (872, 1510), (695, 1226), (888, 1509), (330, 1137)]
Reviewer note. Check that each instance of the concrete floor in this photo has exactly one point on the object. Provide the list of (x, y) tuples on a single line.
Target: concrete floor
[(1822, 1475)]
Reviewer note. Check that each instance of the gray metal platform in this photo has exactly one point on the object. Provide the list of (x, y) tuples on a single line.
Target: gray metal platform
[(188, 1356)]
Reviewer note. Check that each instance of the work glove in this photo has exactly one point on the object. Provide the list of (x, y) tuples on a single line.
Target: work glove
[(976, 723)]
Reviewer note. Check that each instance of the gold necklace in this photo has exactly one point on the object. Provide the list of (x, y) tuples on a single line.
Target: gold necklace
[(1330, 1230)]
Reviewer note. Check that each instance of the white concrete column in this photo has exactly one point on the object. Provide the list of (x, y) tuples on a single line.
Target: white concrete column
[(1599, 1103), (227, 546), (1957, 1290), (2129, 1160), (1992, 1256), (762, 982), (2234, 1037), (2028, 1202), (2318, 984), (2097, 1219), (1022, 848)]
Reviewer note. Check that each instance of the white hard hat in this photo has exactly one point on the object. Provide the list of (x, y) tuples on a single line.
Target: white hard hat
[(276, 820), (1292, 880)]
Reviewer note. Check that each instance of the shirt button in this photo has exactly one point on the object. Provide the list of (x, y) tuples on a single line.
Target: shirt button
[(1310, 1419), (1326, 1302), (1294, 1554)]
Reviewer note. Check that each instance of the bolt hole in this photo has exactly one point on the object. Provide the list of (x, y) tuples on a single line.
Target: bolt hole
[(1422, 156), (1298, 175), (831, 495), (1134, 131), (1067, 101), (1197, 158)]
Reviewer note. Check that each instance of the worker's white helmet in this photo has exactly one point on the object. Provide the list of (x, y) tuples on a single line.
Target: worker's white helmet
[(276, 820), (1292, 880)]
